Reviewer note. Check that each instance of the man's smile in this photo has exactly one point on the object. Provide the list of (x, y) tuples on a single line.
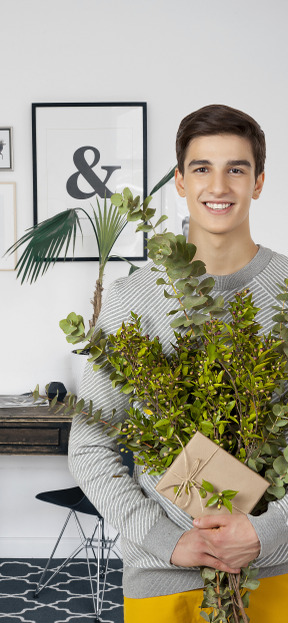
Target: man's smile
[(218, 207)]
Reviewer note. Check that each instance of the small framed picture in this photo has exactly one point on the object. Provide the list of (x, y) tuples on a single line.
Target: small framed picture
[(6, 149), (7, 224)]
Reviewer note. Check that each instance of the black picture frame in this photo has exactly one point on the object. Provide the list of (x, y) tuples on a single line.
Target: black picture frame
[(110, 137)]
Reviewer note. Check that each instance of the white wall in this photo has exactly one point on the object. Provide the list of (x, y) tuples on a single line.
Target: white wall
[(177, 57)]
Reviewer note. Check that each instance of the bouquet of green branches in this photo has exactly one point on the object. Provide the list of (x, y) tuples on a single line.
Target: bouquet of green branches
[(223, 378)]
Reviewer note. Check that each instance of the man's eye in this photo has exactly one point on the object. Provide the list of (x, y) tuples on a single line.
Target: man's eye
[(237, 171), (201, 170)]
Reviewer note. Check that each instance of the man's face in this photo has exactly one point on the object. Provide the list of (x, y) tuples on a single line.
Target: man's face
[(219, 183)]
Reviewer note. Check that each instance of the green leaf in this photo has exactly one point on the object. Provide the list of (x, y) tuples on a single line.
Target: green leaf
[(252, 585), (178, 322), (198, 319), (116, 199), (280, 465), (228, 504), (285, 453), (277, 492), (142, 227), (208, 574), (212, 501), (127, 389), (207, 486), (54, 400), (163, 180), (229, 493), (190, 302), (202, 493), (36, 393), (79, 406), (162, 423), (162, 218), (97, 415)]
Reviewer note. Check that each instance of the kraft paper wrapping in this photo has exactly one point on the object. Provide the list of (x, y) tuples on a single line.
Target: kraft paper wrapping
[(202, 459)]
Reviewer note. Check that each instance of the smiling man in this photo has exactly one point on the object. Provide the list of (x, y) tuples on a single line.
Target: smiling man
[(221, 156), (218, 177)]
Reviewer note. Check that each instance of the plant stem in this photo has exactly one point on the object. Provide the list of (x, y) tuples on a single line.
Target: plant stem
[(96, 301), (234, 581), (218, 590)]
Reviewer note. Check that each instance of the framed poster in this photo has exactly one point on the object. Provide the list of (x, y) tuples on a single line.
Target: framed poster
[(6, 150), (82, 152), (7, 224)]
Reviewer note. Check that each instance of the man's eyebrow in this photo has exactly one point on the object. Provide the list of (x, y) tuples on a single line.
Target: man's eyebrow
[(198, 163), (230, 163), (239, 163)]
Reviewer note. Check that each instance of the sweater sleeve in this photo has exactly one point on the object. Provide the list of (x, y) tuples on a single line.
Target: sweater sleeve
[(97, 465), (272, 530)]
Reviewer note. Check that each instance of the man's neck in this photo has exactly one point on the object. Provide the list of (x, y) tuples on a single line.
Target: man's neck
[(224, 254)]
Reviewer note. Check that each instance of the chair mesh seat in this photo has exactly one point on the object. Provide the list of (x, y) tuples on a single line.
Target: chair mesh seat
[(72, 498)]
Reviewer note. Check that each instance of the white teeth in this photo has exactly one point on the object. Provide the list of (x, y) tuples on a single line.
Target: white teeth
[(217, 206)]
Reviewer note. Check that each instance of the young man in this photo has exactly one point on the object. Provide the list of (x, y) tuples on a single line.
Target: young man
[(221, 155)]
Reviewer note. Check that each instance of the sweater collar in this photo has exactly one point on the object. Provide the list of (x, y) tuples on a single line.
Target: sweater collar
[(243, 276)]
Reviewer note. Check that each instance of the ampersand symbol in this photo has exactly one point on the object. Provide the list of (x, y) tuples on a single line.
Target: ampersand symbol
[(85, 169)]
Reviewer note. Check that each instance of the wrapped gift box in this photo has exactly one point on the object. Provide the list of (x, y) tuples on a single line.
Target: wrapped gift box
[(202, 459)]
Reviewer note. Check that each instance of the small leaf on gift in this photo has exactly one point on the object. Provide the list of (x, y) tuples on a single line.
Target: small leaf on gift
[(228, 504), (207, 486), (203, 493), (213, 500), (229, 494)]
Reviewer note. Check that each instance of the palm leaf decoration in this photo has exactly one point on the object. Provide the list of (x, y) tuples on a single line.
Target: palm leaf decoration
[(47, 241), (164, 180), (108, 226)]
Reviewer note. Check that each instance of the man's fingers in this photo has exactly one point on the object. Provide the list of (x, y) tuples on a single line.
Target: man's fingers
[(215, 563), (210, 521)]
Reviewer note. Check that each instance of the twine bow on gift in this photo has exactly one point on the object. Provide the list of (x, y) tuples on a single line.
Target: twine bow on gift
[(188, 482)]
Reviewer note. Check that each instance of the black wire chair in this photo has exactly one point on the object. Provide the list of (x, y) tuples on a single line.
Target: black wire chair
[(97, 543)]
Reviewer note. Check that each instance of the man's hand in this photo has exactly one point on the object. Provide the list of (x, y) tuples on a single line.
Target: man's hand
[(223, 542)]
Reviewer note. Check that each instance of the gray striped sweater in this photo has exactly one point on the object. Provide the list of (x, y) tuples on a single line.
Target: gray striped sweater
[(149, 524)]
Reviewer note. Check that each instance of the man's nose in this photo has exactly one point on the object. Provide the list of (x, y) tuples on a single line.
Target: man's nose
[(218, 183)]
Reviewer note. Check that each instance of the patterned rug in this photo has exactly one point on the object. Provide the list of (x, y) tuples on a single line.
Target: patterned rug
[(68, 598)]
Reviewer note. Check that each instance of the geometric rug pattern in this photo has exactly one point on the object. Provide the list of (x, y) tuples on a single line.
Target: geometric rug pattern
[(68, 598)]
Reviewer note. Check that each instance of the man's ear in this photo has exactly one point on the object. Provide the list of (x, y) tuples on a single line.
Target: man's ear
[(179, 183), (258, 186)]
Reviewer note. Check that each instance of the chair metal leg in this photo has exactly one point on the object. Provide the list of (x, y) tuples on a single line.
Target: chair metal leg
[(53, 552), (96, 542), (71, 556)]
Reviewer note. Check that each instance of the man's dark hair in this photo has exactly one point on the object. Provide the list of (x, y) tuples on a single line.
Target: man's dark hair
[(220, 119)]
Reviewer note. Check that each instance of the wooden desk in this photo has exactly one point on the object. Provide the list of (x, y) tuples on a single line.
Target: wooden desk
[(33, 430)]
